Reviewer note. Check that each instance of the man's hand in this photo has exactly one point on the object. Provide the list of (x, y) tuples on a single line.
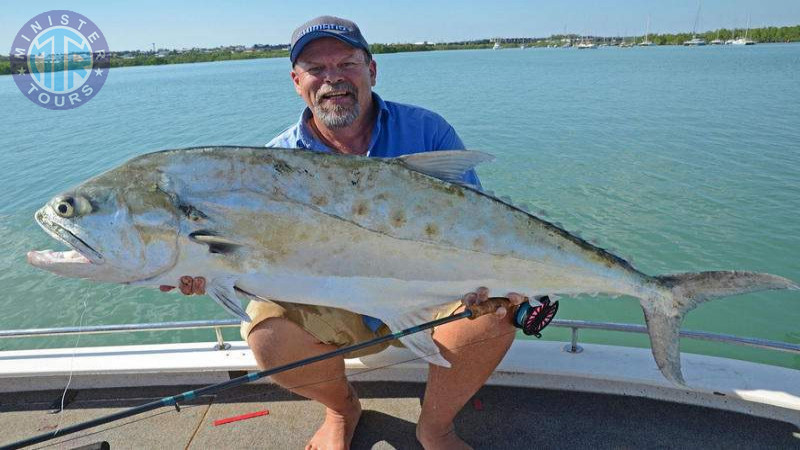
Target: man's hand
[(188, 286), (482, 294)]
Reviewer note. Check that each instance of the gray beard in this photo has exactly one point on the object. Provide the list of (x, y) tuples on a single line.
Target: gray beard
[(337, 116)]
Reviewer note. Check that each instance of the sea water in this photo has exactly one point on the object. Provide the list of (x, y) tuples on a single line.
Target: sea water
[(680, 159)]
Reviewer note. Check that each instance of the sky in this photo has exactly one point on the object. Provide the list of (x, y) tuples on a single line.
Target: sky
[(179, 24)]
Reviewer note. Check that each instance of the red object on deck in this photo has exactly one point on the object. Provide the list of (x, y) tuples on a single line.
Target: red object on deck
[(477, 404), (242, 417)]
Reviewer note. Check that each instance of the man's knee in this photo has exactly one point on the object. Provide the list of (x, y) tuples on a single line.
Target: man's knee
[(276, 339)]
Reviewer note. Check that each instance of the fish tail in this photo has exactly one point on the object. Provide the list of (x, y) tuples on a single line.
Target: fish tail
[(678, 294)]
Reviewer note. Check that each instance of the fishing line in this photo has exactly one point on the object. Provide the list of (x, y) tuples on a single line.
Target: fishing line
[(473, 311), (527, 317), (112, 426), (71, 369), (248, 396), (530, 319), (373, 369)]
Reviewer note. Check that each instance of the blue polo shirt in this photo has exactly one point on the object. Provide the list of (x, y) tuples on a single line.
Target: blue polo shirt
[(399, 130)]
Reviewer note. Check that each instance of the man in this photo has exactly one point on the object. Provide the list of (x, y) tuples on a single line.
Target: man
[(333, 71)]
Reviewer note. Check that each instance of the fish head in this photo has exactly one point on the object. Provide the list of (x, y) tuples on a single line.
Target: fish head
[(120, 227)]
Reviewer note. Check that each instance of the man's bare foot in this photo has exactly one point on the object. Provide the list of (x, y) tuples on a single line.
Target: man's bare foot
[(446, 438), (337, 431)]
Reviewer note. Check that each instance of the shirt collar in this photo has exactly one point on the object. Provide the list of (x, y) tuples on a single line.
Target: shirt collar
[(306, 137)]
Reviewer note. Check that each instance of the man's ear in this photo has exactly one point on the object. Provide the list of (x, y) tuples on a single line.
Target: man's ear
[(296, 81), (373, 72)]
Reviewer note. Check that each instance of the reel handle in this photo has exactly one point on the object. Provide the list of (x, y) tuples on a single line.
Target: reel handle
[(489, 307)]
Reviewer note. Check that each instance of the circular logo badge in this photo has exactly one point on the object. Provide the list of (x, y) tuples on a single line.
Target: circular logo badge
[(60, 59)]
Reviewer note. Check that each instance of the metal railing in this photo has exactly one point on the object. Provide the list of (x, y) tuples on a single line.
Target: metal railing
[(576, 325), (217, 325), (572, 347)]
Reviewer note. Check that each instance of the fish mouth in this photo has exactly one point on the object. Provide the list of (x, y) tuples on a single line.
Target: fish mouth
[(81, 253)]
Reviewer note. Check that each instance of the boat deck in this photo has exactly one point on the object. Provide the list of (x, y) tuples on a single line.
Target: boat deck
[(503, 417)]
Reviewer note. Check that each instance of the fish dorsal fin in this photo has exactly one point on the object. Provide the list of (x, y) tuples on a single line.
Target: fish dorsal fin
[(446, 165)]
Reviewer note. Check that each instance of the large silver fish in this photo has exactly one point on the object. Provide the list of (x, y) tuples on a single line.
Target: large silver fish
[(394, 238)]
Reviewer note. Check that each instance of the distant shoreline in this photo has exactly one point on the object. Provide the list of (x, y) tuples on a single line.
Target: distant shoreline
[(231, 53)]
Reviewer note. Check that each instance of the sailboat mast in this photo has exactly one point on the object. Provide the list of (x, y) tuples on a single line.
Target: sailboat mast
[(696, 19), (748, 27)]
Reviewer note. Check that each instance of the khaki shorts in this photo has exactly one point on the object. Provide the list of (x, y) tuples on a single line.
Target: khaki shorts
[(329, 325)]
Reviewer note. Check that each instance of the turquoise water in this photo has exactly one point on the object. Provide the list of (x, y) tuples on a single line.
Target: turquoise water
[(682, 159)]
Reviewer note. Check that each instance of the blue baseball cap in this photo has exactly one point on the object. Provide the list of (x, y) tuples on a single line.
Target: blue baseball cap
[(326, 26)]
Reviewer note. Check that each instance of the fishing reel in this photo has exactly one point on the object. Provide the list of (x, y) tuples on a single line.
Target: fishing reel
[(532, 319)]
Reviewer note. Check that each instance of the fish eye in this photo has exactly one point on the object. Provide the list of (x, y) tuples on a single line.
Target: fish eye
[(65, 207), (69, 206)]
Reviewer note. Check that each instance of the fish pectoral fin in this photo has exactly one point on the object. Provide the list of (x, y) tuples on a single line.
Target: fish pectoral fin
[(215, 242), (420, 343), (223, 292), (251, 296), (446, 165)]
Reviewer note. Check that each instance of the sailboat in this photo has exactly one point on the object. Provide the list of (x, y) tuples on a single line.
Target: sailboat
[(717, 41), (585, 44), (744, 40), (646, 42), (695, 41), (623, 43)]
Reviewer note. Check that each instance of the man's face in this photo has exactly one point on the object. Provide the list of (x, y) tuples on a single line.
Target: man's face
[(335, 80)]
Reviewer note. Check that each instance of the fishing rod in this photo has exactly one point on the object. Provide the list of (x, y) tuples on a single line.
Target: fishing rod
[(530, 318)]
